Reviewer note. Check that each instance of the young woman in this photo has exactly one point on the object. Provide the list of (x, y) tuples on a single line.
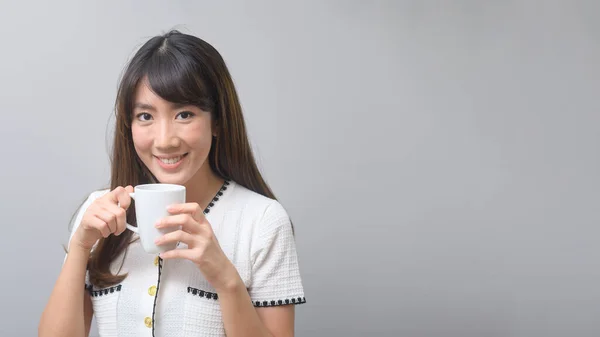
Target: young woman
[(235, 270)]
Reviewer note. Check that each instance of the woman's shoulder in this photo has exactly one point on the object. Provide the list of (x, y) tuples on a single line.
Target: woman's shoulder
[(258, 214), (248, 201)]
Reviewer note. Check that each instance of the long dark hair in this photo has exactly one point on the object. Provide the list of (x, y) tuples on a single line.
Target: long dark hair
[(183, 69)]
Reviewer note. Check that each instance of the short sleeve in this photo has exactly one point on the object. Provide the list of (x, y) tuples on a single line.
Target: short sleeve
[(276, 276)]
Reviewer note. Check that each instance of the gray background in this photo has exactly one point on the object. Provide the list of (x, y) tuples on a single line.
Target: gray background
[(439, 158)]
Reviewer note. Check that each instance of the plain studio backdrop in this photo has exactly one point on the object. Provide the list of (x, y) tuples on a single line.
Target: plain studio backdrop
[(439, 158)]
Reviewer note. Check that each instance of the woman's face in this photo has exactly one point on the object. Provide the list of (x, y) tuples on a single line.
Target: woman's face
[(173, 141)]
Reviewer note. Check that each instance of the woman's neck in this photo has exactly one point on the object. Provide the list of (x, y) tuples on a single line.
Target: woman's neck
[(203, 187)]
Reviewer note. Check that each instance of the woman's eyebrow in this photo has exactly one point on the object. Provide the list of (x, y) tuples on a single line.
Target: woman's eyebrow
[(177, 106), (150, 107), (144, 106)]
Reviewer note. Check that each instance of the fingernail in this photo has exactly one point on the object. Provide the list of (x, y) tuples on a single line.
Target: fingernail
[(157, 241), (157, 224), (169, 208)]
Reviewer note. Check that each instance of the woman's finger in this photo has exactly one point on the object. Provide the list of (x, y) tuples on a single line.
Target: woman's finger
[(113, 196), (108, 217), (121, 217), (190, 208), (101, 226), (123, 197), (175, 236), (187, 254), (187, 223)]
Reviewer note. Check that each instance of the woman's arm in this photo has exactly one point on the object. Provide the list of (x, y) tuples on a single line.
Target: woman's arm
[(241, 318), (69, 309)]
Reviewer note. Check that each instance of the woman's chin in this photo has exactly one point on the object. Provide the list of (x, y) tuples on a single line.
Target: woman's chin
[(171, 179)]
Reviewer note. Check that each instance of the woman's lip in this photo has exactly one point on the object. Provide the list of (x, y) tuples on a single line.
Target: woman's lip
[(172, 156), (170, 166)]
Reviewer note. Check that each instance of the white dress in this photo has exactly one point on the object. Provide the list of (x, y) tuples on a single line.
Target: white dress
[(172, 298)]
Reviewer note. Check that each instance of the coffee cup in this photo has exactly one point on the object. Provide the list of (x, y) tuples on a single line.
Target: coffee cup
[(151, 202)]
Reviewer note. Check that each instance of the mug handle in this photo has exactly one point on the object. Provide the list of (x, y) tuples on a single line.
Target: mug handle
[(130, 227)]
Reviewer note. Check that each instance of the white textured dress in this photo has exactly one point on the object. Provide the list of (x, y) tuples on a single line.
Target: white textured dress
[(172, 298)]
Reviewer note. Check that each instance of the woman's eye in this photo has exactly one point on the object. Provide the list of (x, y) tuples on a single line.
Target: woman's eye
[(144, 117), (185, 115)]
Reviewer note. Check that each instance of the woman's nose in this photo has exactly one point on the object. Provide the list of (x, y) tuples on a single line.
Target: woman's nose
[(166, 137)]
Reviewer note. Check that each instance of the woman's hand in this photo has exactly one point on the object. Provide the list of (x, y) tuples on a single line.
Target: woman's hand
[(203, 248), (105, 216)]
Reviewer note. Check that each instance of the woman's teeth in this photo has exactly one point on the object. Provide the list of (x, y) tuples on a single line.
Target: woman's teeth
[(171, 161)]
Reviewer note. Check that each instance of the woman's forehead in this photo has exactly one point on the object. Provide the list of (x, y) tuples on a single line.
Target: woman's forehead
[(145, 98), (144, 95)]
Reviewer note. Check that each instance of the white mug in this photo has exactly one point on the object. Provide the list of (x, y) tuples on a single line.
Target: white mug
[(151, 202)]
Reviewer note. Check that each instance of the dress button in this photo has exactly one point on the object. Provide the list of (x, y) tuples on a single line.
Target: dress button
[(156, 261), (152, 291), (148, 322)]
